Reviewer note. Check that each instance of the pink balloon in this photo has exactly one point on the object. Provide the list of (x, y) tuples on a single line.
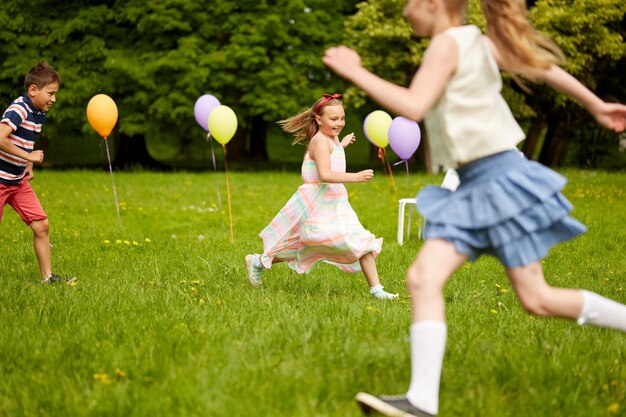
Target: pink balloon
[(202, 109), (404, 137)]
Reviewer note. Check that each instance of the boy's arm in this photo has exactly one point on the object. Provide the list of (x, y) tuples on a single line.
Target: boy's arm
[(7, 146), (30, 173)]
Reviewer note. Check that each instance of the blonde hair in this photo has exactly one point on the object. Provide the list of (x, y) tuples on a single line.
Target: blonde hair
[(523, 50), (303, 125)]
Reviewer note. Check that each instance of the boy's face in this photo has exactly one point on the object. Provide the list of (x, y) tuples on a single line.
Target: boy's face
[(45, 97)]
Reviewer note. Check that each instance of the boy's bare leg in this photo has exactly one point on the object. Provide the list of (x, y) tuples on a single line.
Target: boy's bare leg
[(41, 243)]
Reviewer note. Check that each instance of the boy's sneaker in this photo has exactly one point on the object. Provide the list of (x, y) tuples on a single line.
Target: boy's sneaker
[(254, 273), (389, 405), (55, 279)]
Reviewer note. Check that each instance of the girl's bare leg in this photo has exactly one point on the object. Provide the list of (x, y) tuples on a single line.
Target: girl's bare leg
[(368, 266), (537, 297)]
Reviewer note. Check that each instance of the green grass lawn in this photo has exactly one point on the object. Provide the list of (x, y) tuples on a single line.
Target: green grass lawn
[(164, 323)]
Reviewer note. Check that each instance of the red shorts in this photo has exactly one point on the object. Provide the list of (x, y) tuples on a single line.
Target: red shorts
[(23, 199)]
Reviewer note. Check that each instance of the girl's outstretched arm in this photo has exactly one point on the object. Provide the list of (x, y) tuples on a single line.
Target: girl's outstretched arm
[(438, 65), (348, 140), (610, 115)]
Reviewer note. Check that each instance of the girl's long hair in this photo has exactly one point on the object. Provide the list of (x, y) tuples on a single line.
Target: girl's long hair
[(303, 125), (523, 50)]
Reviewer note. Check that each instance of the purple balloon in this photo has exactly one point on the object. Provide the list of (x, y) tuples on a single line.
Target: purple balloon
[(365, 130), (404, 137), (203, 108)]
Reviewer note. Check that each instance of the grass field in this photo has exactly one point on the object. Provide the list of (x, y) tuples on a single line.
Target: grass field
[(164, 323)]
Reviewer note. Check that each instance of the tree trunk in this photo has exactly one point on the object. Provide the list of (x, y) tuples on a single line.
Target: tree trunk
[(132, 152), (555, 142), (532, 138), (258, 139), (236, 148), (424, 151)]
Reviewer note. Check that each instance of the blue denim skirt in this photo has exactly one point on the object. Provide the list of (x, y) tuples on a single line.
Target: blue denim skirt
[(505, 206)]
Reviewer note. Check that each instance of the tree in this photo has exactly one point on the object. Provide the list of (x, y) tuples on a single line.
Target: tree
[(156, 57)]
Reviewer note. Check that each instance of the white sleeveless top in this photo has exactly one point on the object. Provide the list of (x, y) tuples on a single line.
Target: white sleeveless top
[(471, 120)]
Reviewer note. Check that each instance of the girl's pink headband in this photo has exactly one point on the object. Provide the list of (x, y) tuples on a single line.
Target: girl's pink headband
[(326, 98)]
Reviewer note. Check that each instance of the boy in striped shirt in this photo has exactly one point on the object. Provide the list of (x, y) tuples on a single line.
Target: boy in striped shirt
[(20, 126)]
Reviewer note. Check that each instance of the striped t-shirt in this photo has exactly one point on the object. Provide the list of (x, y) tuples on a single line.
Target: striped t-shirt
[(25, 120)]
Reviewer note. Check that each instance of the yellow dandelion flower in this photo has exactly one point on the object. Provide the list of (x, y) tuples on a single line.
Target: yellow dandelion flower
[(120, 373), (504, 290), (135, 243), (73, 284), (202, 302), (193, 289), (613, 408), (127, 242), (148, 240), (102, 377), (492, 311), (118, 241), (106, 241)]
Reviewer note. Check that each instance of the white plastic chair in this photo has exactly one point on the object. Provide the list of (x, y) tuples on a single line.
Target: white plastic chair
[(450, 181)]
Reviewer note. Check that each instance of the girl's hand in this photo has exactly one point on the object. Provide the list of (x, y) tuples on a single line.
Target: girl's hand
[(365, 175), (342, 60), (348, 140), (612, 116)]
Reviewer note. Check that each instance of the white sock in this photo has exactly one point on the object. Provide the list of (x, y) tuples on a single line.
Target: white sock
[(428, 343), (602, 312), (256, 261), (379, 292)]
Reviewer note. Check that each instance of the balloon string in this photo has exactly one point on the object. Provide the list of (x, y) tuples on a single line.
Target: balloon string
[(117, 206), (393, 181), (405, 162), (230, 213), (381, 155), (217, 186)]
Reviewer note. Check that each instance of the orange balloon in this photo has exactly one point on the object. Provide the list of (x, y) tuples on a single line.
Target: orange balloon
[(102, 114)]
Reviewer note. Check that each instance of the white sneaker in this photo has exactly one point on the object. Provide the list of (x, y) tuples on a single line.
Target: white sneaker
[(254, 273), (379, 292)]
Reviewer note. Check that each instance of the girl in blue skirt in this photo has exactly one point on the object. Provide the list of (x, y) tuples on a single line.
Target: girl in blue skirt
[(505, 205)]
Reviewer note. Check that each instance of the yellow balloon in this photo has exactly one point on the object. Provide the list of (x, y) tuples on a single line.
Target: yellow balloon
[(102, 114), (377, 127), (222, 124)]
